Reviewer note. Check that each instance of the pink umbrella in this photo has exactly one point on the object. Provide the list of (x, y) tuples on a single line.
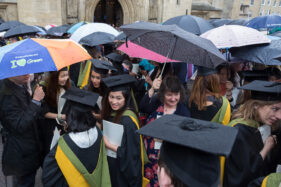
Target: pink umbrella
[(234, 36), (136, 51)]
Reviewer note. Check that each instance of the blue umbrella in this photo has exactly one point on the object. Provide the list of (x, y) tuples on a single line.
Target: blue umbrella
[(74, 27), (265, 22)]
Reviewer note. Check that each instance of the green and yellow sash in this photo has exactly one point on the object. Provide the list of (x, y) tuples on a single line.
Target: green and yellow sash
[(75, 172), (84, 74), (144, 158), (272, 180), (223, 117), (224, 113), (233, 123)]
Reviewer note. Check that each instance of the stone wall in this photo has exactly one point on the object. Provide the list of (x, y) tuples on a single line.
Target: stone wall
[(8, 10), (172, 8), (40, 12)]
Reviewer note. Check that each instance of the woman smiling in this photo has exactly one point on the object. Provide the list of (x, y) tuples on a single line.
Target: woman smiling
[(118, 107)]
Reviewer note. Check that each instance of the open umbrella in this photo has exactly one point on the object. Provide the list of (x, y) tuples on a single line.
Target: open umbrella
[(115, 57), (174, 43), (136, 51), (58, 31), (39, 55), (21, 30), (264, 54), (75, 26), (9, 24), (228, 36), (241, 22), (47, 27), (90, 28), (219, 22), (121, 36), (97, 38), (42, 30), (265, 22), (193, 24)]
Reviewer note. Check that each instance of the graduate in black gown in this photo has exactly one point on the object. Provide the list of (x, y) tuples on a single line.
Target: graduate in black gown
[(79, 158), (248, 159), (189, 155), (126, 170), (100, 69), (205, 101)]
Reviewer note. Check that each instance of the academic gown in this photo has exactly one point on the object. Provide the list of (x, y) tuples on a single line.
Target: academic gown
[(126, 169), (52, 175), (208, 113), (244, 163)]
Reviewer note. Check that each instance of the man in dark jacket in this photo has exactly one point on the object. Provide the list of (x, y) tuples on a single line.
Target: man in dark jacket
[(18, 113)]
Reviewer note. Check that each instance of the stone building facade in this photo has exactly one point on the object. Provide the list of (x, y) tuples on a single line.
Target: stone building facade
[(43, 12), (58, 12), (235, 9)]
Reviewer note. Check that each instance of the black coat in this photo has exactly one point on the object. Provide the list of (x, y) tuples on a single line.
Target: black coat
[(18, 114)]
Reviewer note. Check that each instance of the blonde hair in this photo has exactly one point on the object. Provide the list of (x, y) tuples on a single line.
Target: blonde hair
[(248, 110)]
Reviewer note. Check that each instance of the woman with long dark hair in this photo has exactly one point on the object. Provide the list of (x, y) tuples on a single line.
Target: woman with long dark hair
[(100, 69), (118, 107), (205, 101), (79, 157), (55, 86)]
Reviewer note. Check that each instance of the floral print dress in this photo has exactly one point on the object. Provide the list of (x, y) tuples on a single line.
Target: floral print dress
[(150, 169)]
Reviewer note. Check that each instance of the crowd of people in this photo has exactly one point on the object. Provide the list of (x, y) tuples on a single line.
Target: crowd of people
[(55, 120)]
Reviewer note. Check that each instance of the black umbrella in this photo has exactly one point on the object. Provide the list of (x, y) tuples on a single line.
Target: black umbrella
[(115, 57), (121, 36), (97, 38), (175, 43), (193, 24), (264, 54), (58, 31), (21, 30), (220, 22), (9, 24)]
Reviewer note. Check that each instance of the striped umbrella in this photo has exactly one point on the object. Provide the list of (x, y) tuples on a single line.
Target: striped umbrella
[(39, 55)]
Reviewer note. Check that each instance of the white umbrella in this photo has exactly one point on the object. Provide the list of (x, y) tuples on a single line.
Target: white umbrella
[(228, 36), (90, 28)]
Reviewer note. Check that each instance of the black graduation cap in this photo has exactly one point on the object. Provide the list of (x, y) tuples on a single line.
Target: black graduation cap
[(119, 82), (204, 71), (115, 57), (191, 147), (250, 76), (264, 90), (102, 67), (82, 99)]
